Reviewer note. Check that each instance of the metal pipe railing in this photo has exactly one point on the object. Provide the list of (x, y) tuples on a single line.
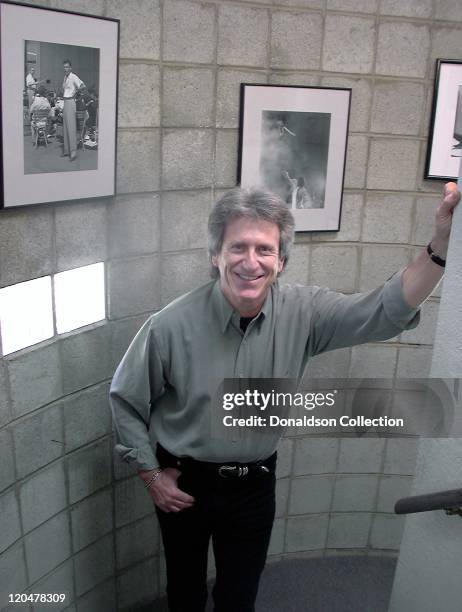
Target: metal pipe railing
[(449, 501)]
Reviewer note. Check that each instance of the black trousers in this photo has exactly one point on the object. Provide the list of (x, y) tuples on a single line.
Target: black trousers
[(237, 514)]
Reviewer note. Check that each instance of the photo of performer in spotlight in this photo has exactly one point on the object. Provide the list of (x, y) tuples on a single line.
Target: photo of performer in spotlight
[(293, 160)]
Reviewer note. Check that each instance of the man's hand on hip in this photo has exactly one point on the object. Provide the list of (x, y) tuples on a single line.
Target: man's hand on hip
[(165, 492)]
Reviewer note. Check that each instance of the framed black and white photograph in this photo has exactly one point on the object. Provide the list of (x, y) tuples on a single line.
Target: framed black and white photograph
[(293, 142), (445, 138), (59, 75)]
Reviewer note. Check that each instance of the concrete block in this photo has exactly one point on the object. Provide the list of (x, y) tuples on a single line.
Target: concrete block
[(228, 94), (355, 6), (137, 541), (349, 530), (391, 489), (133, 286), (94, 564), (187, 159), (373, 361), (350, 221), (401, 47), (184, 220), (226, 151), (387, 531), (42, 496), (361, 99), (122, 469), (306, 533), (138, 585), (80, 234), (139, 97), (400, 456), (414, 362), (296, 40), (355, 493), (182, 272), (448, 9), (122, 333), (35, 379), (20, 233), (424, 333), (393, 164), (7, 476), (313, 4), (12, 571), (242, 35), (424, 220), (276, 545), (356, 161), (47, 546), (188, 97), (38, 440), (356, 51), (189, 32), (85, 358), (91, 519), (102, 598), (86, 416), (89, 470), (379, 263), (387, 218), (328, 365), (284, 463), (293, 78), (315, 456), (5, 412), (139, 27), (297, 269), (134, 225), (445, 43), (361, 456), (410, 8), (11, 528), (311, 494), (398, 107), (334, 267), (95, 7), (59, 581), (132, 502), (138, 160), (282, 496)]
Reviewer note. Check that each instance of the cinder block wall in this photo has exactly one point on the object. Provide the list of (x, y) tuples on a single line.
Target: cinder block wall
[(72, 520)]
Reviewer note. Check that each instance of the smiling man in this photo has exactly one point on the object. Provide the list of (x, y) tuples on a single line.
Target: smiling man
[(243, 324)]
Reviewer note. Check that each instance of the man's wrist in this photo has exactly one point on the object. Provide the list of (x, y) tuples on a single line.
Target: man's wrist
[(439, 247), (150, 477)]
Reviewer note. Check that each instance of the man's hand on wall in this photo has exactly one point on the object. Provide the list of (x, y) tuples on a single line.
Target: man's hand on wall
[(165, 492), (443, 221)]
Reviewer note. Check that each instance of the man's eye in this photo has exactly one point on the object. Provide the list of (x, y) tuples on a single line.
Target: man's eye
[(236, 248)]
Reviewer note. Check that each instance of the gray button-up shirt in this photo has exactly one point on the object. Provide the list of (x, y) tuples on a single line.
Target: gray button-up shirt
[(169, 378)]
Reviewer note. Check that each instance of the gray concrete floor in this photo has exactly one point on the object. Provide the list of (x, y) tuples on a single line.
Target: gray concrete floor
[(328, 584), (47, 159)]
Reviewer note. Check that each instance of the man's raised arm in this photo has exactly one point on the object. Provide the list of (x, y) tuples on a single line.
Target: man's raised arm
[(422, 276)]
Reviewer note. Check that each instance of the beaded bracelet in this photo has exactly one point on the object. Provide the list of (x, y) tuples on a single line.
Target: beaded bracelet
[(153, 478)]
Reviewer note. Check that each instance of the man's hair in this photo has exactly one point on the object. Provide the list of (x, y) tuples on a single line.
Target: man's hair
[(252, 203), (67, 61), (42, 91)]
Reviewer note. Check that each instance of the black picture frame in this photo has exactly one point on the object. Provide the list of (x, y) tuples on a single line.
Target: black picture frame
[(293, 141), (38, 120), (445, 133)]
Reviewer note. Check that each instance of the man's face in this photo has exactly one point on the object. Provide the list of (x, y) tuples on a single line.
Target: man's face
[(248, 263), (67, 68), (32, 71)]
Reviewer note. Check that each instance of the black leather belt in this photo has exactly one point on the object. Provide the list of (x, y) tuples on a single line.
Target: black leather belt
[(230, 469)]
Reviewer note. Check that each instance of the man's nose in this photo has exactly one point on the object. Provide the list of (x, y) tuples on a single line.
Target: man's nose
[(251, 259)]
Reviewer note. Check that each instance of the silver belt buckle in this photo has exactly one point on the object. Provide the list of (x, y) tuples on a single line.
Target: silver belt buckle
[(226, 471)]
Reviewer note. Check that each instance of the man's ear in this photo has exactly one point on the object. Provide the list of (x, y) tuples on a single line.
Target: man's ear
[(214, 261), (281, 265)]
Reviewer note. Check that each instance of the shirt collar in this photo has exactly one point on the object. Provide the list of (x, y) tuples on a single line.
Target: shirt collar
[(225, 310)]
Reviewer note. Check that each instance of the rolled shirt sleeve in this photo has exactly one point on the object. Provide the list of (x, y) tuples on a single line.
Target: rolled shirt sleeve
[(138, 381)]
